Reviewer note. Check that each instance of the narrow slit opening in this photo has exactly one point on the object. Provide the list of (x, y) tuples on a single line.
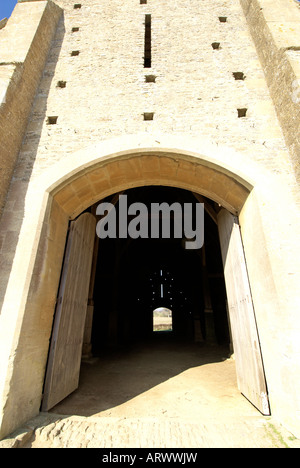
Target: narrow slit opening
[(147, 51)]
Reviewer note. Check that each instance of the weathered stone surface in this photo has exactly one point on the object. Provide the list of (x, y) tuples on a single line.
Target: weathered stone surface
[(24, 45), (63, 148), (275, 29)]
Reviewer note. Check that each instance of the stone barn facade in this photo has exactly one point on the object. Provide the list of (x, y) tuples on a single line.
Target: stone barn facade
[(191, 100)]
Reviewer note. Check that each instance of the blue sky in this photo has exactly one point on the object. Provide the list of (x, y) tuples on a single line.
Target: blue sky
[(6, 7)]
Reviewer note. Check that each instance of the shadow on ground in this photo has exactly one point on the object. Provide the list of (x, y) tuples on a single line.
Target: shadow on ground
[(118, 376)]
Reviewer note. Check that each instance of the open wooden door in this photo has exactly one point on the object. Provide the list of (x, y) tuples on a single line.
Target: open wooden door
[(62, 375), (249, 364)]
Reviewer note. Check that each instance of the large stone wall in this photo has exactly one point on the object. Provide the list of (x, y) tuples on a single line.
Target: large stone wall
[(275, 28), (89, 105), (24, 46), (105, 92), (195, 92)]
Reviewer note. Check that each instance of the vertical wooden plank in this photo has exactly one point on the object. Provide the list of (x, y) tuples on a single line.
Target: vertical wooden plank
[(63, 368), (87, 337), (248, 357)]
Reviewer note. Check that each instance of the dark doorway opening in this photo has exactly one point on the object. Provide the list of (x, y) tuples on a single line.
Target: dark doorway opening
[(162, 320), (132, 275)]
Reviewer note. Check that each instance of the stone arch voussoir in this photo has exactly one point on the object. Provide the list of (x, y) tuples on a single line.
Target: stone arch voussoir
[(98, 171)]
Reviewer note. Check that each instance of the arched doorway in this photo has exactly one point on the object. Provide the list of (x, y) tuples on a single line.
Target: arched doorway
[(250, 369), (162, 319), (83, 181)]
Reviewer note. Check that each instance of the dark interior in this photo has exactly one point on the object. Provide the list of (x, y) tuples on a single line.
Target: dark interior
[(130, 273)]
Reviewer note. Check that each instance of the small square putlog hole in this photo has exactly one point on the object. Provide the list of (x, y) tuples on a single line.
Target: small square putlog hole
[(216, 45), (74, 53), (61, 84), (242, 112), (223, 19), (148, 115), (239, 76), (77, 6), (75, 29), (150, 78), (52, 120)]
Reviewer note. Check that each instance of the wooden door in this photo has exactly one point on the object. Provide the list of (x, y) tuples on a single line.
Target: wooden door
[(62, 375), (249, 364)]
